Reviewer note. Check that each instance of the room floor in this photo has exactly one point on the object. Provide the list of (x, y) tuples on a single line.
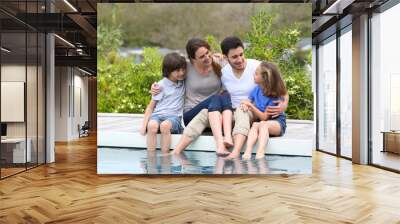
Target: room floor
[(70, 191), (386, 159)]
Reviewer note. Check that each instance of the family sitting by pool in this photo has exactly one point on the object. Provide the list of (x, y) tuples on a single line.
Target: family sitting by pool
[(210, 90)]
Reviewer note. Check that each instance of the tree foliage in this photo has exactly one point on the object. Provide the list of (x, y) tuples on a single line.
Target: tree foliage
[(109, 36), (123, 85), (279, 46), (171, 25)]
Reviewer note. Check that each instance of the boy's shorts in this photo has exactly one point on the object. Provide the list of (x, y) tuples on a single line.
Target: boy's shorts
[(175, 121)]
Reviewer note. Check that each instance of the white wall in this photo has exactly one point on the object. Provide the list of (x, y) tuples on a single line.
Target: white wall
[(12, 101), (61, 103), (11, 73), (33, 126), (16, 73), (79, 117), (71, 87)]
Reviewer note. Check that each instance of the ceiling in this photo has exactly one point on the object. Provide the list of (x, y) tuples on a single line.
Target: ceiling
[(330, 15), (73, 21)]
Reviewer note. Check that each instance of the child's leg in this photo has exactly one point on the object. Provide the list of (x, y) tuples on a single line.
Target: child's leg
[(274, 128), (251, 140), (227, 124), (262, 166), (219, 166), (266, 128), (251, 169), (165, 164), (152, 161), (152, 129), (165, 129)]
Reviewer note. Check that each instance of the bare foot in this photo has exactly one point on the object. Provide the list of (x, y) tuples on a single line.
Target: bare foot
[(164, 153), (182, 159), (228, 142), (174, 152), (260, 155), (246, 156), (233, 155), (222, 152)]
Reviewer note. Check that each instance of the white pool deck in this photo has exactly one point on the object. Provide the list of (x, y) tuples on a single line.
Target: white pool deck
[(122, 130)]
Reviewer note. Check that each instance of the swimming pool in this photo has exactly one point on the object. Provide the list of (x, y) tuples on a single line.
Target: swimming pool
[(141, 161)]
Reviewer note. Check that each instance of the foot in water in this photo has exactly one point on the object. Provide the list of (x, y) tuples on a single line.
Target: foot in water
[(222, 152), (260, 155), (233, 155), (246, 156), (228, 142)]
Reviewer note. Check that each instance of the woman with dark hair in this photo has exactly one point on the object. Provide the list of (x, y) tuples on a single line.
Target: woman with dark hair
[(204, 92)]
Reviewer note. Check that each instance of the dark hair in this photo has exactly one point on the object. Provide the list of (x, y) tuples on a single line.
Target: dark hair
[(172, 62), (273, 84), (230, 43), (193, 45)]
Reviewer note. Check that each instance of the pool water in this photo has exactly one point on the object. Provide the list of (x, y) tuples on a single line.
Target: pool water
[(141, 161)]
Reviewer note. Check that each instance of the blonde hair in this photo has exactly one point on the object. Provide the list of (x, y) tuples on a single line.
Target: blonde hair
[(273, 84)]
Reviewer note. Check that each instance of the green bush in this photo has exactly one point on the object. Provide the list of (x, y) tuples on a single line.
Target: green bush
[(279, 46), (123, 87)]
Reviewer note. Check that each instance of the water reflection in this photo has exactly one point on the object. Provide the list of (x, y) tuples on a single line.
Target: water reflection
[(141, 161)]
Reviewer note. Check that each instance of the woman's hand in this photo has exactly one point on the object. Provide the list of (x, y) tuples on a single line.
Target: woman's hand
[(219, 59), (155, 89)]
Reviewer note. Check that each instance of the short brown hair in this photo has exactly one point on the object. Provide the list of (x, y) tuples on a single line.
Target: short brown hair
[(273, 84), (172, 62)]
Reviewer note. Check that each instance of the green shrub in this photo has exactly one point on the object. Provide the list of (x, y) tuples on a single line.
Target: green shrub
[(123, 87), (279, 46)]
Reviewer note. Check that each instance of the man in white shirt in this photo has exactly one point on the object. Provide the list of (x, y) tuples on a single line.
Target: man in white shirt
[(238, 79)]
